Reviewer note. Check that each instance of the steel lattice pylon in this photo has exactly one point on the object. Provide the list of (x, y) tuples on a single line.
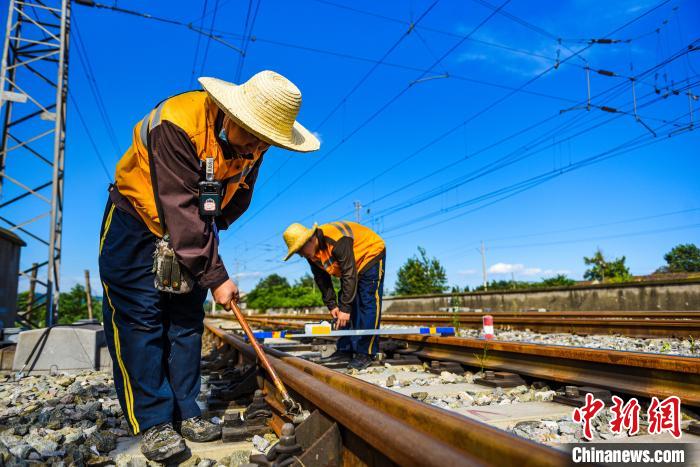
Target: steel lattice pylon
[(33, 93)]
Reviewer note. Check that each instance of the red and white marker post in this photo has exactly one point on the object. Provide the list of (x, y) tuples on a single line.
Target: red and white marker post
[(488, 327)]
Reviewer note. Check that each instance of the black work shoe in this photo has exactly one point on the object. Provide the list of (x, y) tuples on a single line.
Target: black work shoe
[(198, 430), (336, 356), (360, 362), (162, 442)]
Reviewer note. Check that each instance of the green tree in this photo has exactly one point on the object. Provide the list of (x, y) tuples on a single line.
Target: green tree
[(274, 291), (560, 280), (602, 269), (72, 306), (421, 275), (683, 258), (273, 280)]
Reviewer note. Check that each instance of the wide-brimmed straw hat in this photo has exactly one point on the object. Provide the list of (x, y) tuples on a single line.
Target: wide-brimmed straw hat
[(267, 106), (295, 236)]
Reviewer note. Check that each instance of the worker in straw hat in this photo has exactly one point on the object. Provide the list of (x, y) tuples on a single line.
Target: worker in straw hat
[(356, 255), (189, 173)]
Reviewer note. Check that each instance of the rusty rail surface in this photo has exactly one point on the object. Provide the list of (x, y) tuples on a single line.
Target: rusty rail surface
[(681, 325), (406, 431), (628, 372), (641, 374)]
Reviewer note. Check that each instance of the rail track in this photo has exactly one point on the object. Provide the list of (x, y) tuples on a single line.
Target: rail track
[(380, 427), (679, 325), (638, 374)]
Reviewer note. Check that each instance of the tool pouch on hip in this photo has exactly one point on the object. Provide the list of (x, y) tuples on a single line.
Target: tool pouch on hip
[(169, 276)]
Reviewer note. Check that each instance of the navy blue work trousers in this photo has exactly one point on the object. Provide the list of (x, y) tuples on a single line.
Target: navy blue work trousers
[(366, 310), (154, 338)]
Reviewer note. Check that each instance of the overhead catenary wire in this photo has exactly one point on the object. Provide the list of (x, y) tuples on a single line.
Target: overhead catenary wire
[(196, 50), (504, 161), (368, 120), (442, 136), (369, 72), (491, 241), (509, 192), (94, 87), (247, 34), (173, 22), (532, 182), (404, 159), (209, 37), (95, 148)]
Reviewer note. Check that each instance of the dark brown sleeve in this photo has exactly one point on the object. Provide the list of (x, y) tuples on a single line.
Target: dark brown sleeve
[(178, 173), (325, 285), (240, 201), (345, 255)]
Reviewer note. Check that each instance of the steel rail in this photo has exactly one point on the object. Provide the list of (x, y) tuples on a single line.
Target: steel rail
[(631, 327), (641, 374), (406, 431), (636, 373)]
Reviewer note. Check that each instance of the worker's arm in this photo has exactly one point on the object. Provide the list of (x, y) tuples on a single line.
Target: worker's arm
[(325, 285), (240, 201), (345, 256), (178, 172)]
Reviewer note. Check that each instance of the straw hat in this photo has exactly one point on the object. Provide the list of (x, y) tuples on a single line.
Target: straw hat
[(267, 106), (295, 236)]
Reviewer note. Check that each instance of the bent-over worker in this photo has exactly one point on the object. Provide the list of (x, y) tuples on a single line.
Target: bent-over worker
[(189, 173), (356, 255)]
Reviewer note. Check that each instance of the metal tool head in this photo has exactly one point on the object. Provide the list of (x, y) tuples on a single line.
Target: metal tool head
[(295, 411)]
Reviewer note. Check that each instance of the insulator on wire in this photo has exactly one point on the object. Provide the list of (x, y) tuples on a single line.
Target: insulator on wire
[(605, 72), (605, 108), (607, 41)]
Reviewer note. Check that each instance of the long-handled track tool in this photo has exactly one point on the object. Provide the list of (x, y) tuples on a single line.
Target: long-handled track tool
[(293, 408)]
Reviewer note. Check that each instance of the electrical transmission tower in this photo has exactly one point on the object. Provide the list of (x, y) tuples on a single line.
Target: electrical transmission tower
[(33, 93)]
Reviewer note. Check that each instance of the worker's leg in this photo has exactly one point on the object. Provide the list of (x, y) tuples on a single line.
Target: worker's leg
[(133, 320), (369, 307), (184, 316)]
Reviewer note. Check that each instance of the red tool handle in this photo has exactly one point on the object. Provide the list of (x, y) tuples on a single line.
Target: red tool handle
[(288, 402)]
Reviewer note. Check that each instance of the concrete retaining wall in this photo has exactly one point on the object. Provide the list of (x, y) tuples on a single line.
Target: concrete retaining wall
[(671, 296), (677, 295)]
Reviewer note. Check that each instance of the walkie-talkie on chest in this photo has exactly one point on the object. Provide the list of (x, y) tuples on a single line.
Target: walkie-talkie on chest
[(209, 192)]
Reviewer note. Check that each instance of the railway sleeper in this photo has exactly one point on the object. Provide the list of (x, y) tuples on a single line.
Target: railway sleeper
[(239, 388), (255, 420), (500, 379), (315, 442), (575, 396)]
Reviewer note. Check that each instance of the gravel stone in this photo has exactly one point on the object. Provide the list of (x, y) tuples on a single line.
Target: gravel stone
[(21, 450), (667, 346), (447, 377), (42, 445)]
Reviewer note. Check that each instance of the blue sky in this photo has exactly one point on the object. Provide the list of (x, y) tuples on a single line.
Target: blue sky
[(382, 145)]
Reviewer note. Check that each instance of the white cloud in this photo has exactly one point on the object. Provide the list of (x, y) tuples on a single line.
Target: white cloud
[(520, 269), (505, 268)]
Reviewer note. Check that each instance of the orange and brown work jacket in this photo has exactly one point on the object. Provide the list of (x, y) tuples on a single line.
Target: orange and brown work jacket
[(346, 250), (184, 131)]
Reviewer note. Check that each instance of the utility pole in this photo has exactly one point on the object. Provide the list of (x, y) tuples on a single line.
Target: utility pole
[(88, 293), (358, 206), (483, 265), (30, 297)]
